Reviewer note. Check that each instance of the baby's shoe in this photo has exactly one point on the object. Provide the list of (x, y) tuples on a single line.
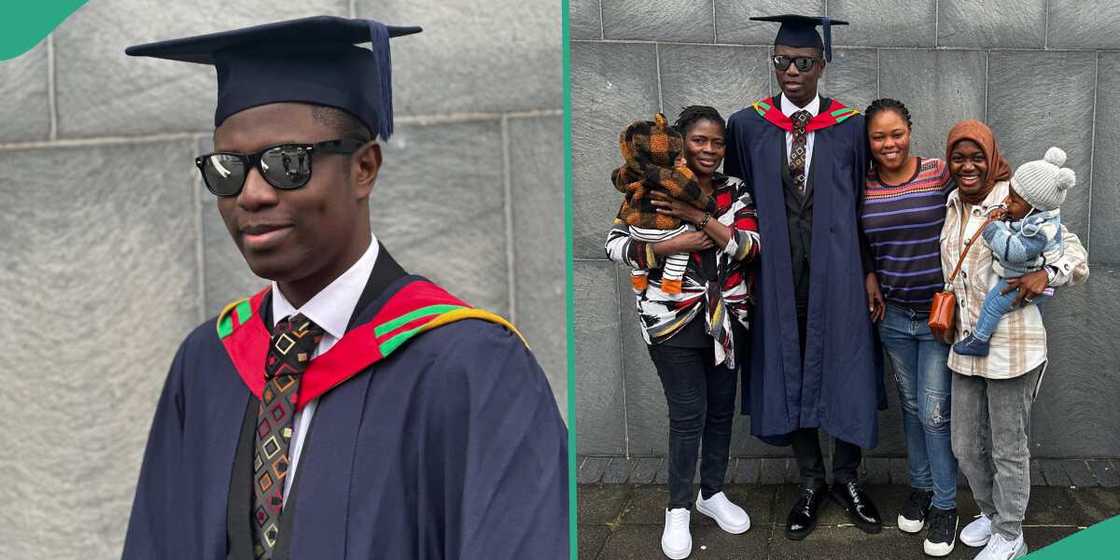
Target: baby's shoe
[(971, 346)]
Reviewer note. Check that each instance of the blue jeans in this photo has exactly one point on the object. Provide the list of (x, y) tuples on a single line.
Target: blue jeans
[(997, 305), (924, 382)]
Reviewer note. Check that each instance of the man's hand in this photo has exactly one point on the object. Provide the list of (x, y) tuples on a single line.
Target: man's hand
[(1030, 285), (687, 242), (876, 306)]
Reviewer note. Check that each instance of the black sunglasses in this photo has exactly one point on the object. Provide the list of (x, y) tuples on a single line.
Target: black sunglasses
[(284, 166), (803, 63)]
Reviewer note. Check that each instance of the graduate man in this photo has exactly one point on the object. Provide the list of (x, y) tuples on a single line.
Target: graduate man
[(814, 362), (349, 410)]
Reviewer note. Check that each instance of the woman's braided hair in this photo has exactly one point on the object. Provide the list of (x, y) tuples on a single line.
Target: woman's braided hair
[(695, 113), (887, 104)]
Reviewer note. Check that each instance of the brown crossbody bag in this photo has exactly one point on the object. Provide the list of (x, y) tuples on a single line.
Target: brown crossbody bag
[(944, 304)]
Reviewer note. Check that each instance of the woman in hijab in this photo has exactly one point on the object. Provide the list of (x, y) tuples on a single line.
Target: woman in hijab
[(992, 395)]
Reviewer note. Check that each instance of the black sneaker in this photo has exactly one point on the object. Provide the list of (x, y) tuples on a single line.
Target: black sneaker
[(942, 533), (912, 518)]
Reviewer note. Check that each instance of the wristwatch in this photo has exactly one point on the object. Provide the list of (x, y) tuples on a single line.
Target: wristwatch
[(1051, 272)]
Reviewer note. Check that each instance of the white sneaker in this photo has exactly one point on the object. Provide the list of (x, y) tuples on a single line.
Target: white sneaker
[(676, 541), (1000, 548), (728, 516), (978, 532)]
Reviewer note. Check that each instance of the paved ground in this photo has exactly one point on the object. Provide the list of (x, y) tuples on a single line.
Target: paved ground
[(623, 521)]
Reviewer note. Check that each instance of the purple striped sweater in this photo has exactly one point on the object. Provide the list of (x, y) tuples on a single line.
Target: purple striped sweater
[(902, 224)]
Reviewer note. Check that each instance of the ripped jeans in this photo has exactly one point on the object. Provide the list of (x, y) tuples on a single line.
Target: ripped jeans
[(924, 381)]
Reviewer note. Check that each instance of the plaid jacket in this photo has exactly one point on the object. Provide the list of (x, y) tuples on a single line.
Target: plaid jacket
[(1019, 341)]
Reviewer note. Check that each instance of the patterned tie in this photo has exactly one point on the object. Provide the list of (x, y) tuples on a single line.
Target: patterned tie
[(293, 341), (798, 150)]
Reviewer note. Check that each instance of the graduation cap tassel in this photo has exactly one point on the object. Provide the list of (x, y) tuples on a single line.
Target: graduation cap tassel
[(826, 26), (379, 39)]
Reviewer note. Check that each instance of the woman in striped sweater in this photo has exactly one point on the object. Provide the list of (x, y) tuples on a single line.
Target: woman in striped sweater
[(903, 211), (691, 332)]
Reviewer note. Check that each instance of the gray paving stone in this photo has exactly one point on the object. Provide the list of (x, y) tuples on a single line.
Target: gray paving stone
[(105, 264), (733, 23), (585, 19), (1082, 24), (1105, 233), (662, 473), (612, 85), (775, 470), (1037, 479), (877, 469), (672, 20), (1078, 472), (23, 87), (727, 78), (747, 470), (1051, 505), (974, 23), (643, 542), (599, 384), (1096, 504), (434, 226), (1054, 473), (591, 540), (645, 470), (618, 471), (884, 23), (537, 183), (1024, 91), (103, 92), (474, 55), (601, 504), (592, 469), (899, 471), (1106, 472), (935, 106)]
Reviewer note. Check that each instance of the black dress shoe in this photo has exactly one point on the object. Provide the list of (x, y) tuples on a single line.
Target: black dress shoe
[(860, 509), (803, 517)]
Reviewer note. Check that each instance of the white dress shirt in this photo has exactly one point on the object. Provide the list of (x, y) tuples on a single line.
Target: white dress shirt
[(788, 109), (331, 309)]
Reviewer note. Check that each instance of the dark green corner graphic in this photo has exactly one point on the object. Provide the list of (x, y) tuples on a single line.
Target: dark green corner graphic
[(24, 23), (1098, 541)]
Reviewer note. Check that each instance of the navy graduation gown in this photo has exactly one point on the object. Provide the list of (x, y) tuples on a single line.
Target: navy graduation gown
[(451, 447), (837, 384)]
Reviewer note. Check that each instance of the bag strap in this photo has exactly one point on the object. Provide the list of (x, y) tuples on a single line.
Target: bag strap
[(964, 252)]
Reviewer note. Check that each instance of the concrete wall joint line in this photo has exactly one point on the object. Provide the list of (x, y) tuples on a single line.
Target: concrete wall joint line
[(602, 26), (657, 62), (52, 96), (1046, 29), (622, 370), (1092, 152), (511, 261), (936, 21)]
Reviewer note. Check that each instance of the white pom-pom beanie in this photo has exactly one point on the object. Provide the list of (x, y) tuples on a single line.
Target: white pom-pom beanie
[(1043, 183)]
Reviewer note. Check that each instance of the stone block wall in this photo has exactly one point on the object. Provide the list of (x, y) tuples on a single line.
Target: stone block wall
[(1040, 72), (111, 250)]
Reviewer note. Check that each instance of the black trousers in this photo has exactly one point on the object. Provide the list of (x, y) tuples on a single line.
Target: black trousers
[(701, 398), (810, 460)]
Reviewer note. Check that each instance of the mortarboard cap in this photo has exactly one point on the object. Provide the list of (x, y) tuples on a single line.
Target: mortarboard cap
[(801, 31), (310, 60)]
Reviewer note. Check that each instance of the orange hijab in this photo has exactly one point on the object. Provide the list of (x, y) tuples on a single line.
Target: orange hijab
[(998, 169)]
